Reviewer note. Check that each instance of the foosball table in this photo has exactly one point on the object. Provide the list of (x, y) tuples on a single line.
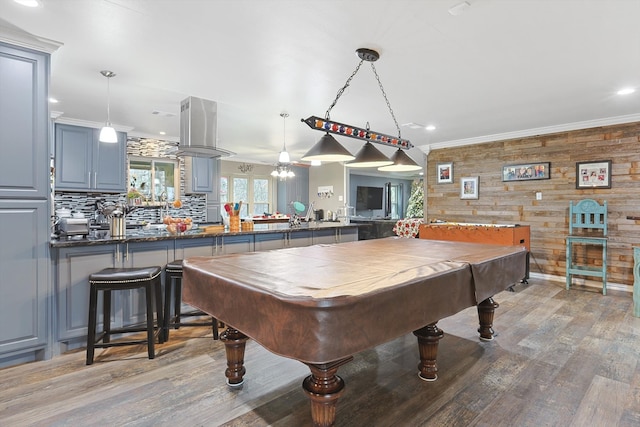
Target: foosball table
[(499, 234)]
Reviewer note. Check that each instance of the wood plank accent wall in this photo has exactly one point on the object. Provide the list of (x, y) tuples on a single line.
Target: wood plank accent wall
[(515, 202)]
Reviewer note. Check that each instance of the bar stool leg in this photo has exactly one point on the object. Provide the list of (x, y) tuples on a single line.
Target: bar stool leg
[(157, 290), (91, 330), (168, 286), (214, 326), (106, 315), (177, 302), (149, 294)]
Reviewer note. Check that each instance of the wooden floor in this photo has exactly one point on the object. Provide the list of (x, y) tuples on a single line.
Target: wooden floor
[(560, 359)]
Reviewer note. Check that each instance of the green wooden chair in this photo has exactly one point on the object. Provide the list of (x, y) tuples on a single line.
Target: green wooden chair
[(587, 230)]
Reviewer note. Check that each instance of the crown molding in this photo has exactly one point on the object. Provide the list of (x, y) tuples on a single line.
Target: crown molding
[(630, 118)]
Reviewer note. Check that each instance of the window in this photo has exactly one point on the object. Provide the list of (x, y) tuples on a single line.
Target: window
[(395, 200), (255, 193), (155, 179)]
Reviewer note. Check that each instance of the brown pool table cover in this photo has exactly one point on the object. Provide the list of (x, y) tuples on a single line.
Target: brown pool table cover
[(322, 303)]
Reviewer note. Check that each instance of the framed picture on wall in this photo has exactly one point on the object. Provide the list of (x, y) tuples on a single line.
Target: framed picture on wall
[(445, 173), (469, 187), (593, 174), (526, 171)]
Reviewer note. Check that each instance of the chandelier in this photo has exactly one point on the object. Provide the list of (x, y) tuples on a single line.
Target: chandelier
[(329, 149), (283, 169)]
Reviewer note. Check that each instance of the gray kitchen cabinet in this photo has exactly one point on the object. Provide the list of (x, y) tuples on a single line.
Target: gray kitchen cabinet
[(324, 236), (24, 75), (348, 234), (206, 246), (199, 173), (268, 241), (202, 175), (24, 283), (73, 265), (300, 238), (72, 269), (83, 163), (24, 205), (237, 244)]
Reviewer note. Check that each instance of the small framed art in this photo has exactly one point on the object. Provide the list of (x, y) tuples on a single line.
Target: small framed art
[(469, 187), (526, 171), (445, 173), (593, 174)]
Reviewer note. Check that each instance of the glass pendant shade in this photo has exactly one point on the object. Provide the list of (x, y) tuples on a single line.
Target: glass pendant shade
[(401, 163), (328, 149), (108, 134), (284, 157), (369, 157)]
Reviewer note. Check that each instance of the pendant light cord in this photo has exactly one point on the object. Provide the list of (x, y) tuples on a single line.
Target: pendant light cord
[(284, 130), (346, 85), (108, 100)]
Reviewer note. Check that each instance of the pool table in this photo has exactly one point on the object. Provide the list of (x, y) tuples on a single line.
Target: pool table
[(322, 304)]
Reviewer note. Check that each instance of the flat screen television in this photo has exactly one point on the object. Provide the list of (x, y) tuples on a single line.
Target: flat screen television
[(368, 198)]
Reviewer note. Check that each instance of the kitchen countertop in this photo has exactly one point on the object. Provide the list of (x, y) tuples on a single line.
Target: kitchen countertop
[(101, 237)]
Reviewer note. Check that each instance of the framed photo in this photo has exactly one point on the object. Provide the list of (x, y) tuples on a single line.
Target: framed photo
[(445, 173), (593, 174), (469, 187), (526, 171)]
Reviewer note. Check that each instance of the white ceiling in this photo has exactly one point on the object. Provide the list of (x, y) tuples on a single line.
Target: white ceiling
[(503, 68)]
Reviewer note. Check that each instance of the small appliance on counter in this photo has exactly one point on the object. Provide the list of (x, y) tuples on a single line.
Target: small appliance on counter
[(68, 227)]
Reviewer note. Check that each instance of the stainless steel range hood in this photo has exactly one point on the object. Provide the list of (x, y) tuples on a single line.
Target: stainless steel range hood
[(199, 129)]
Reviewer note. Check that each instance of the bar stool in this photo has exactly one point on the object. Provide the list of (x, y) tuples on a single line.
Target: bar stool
[(173, 283), (116, 279)]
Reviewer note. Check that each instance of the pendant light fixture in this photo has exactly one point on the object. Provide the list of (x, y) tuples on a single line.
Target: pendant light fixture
[(329, 149), (108, 133), (284, 155), (401, 163), (283, 167)]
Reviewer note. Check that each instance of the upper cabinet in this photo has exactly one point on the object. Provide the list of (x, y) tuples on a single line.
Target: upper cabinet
[(201, 175), (85, 164), (24, 76)]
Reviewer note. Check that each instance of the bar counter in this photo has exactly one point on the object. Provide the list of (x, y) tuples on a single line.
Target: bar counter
[(102, 237)]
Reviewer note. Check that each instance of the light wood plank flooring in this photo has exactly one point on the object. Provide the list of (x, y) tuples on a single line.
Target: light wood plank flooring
[(561, 358)]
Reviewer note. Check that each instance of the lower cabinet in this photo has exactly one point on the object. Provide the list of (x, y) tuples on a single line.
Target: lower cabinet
[(24, 281), (74, 265), (264, 242), (236, 244)]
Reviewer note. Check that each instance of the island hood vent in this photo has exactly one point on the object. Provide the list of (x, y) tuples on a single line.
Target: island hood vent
[(199, 129)]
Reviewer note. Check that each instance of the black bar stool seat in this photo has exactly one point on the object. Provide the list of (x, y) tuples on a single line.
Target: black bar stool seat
[(173, 284), (116, 279)]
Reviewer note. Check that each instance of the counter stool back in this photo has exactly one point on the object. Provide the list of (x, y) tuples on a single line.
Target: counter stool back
[(173, 285), (117, 279)]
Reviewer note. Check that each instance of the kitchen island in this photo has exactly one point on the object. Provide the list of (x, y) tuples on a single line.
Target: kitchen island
[(74, 259)]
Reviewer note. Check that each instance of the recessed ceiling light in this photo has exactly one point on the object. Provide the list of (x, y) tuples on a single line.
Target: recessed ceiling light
[(412, 125), (28, 3), (626, 91), (430, 127), (53, 100), (162, 132), (459, 9)]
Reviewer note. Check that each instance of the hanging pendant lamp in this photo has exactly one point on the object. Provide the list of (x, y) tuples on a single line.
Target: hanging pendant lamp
[(108, 133), (328, 150), (369, 157), (401, 163), (283, 168)]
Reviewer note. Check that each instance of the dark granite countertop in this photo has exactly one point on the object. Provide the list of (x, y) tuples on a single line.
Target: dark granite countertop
[(102, 237)]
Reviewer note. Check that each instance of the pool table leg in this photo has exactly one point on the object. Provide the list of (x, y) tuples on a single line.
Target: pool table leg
[(324, 388), (234, 343), (486, 309), (428, 338)]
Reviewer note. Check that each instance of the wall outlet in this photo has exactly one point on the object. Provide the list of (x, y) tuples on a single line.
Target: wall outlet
[(539, 195)]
